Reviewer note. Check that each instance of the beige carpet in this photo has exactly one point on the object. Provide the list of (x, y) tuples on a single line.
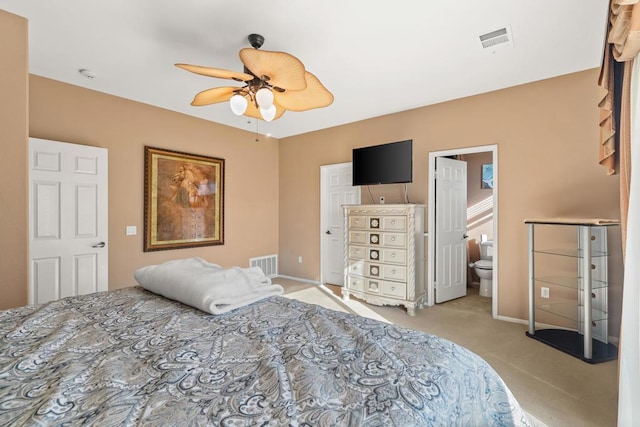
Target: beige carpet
[(555, 388)]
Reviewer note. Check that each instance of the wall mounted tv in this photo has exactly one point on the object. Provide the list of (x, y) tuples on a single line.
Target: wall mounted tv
[(383, 164)]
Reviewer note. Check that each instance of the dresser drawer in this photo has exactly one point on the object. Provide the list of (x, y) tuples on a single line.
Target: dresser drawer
[(396, 240), (394, 223), (357, 237), (394, 272), (359, 222), (377, 270), (393, 289), (383, 287), (357, 252), (357, 267), (394, 256), (355, 283), (367, 269)]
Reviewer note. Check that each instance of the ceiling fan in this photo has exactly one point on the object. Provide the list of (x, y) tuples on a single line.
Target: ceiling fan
[(274, 82)]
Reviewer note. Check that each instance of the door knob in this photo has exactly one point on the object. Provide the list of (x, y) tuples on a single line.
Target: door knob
[(465, 236), (99, 245), (328, 232)]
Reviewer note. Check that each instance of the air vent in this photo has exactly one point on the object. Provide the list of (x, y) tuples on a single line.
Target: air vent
[(498, 37), (268, 264)]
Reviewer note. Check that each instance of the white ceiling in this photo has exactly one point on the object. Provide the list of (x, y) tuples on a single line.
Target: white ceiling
[(377, 57)]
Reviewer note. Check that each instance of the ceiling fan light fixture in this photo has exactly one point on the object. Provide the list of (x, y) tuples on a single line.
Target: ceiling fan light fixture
[(264, 98), (274, 82), (238, 104), (268, 114)]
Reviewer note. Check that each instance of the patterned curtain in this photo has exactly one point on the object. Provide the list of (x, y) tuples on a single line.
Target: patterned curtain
[(621, 48)]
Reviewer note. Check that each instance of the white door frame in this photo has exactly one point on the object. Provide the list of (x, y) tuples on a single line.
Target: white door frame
[(324, 170), (431, 214)]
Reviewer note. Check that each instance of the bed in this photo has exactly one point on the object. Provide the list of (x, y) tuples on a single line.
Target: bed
[(133, 357)]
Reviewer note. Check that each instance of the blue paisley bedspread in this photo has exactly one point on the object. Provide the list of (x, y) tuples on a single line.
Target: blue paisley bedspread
[(129, 357)]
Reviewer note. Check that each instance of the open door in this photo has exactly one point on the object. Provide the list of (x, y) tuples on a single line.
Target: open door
[(450, 229)]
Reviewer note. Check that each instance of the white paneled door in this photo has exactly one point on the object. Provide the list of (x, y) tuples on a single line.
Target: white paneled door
[(451, 229), (336, 190), (68, 222)]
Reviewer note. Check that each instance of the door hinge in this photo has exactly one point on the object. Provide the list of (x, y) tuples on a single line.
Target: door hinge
[(435, 174)]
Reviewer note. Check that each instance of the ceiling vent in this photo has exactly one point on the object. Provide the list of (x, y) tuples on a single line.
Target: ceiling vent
[(497, 39)]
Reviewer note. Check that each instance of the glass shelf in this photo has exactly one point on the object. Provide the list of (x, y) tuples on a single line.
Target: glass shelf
[(573, 253), (569, 310), (570, 282)]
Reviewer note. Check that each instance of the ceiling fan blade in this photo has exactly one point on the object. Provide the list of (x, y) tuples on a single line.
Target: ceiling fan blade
[(216, 72), (215, 95), (282, 70), (254, 112), (314, 96)]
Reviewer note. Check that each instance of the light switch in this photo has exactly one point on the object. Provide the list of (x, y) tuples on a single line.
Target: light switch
[(132, 230)]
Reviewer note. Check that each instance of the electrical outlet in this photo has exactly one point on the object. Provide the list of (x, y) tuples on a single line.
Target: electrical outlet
[(382, 200), (299, 260), (544, 292)]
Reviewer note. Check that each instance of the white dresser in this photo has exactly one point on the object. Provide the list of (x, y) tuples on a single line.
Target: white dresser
[(384, 254)]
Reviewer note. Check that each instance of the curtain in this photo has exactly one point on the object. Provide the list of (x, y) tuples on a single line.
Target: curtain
[(629, 377), (619, 145), (622, 46)]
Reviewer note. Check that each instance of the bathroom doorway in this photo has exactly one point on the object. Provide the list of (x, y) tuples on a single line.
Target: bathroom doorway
[(482, 212)]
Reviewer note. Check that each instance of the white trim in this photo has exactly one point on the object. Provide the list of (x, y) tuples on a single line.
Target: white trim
[(512, 320), (431, 218), (298, 279)]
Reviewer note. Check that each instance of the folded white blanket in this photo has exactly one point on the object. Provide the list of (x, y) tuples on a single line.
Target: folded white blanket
[(207, 286)]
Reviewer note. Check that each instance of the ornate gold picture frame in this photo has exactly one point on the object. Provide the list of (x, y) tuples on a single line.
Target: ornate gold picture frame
[(183, 200)]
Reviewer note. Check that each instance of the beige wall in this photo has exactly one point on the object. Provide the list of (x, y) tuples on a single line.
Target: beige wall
[(63, 112), (13, 161), (547, 136)]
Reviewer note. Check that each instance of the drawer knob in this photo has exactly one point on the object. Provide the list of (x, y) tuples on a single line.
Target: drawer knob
[(393, 221), (393, 288), (393, 255), (393, 239), (393, 271)]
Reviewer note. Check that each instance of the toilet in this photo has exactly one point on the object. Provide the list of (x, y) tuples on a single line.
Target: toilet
[(484, 268)]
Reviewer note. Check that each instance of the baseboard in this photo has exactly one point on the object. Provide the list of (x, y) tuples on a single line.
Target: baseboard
[(526, 322), (298, 279), (512, 320)]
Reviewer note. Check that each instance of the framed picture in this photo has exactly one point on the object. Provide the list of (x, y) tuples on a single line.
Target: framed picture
[(183, 200), (487, 176)]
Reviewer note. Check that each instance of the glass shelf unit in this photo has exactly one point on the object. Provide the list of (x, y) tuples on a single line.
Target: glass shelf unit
[(577, 300), (570, 282)]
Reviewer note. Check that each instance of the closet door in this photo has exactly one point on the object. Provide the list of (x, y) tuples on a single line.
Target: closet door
[(68, 220)]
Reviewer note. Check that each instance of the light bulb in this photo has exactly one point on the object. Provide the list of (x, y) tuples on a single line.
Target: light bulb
[(268, 113), (264, 97), (238, 104)]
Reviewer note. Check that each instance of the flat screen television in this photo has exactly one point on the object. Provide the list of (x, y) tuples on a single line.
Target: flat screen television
[(390, 163)]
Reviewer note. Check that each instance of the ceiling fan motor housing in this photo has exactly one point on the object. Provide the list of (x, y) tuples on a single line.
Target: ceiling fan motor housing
[(256, 40)]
